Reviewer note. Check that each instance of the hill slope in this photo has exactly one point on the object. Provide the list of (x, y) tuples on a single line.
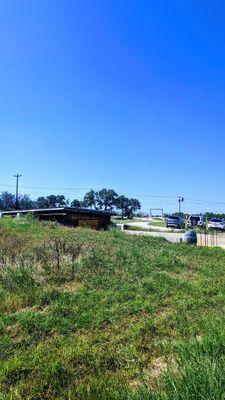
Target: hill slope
[(101, 315)]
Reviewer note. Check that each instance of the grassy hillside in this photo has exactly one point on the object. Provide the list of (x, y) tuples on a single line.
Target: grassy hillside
[(101, 315)]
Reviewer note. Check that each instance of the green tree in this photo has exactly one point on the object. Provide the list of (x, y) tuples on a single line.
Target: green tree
[(132, 206), (7, 201), (106, 199), (122, 203), (51, 201), (26, 203), (90, 199), (76, 204), (42, 202), (56, 201)]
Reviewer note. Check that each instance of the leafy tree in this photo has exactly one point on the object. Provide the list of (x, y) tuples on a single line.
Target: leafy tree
[(214, 215), (25, 202), (76, 204), (7, 201), (90, 199), (42, 202), (106, 199), (132, 206), (122, 203), (56, 201), (51, 201)]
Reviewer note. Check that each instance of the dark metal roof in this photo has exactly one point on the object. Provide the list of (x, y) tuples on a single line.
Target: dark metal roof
[(59, 210)]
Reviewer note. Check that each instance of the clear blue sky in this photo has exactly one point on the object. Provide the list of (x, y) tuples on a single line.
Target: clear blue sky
[(127, 95)]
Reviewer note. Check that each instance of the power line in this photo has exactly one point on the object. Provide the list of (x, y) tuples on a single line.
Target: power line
[(45, 187), (36, 180), (48, 186), (188, 200)]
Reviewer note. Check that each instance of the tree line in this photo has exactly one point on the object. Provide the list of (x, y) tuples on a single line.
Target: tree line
[(105, 199)]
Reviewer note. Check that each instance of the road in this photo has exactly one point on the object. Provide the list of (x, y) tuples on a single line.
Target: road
[(147, 225), (216, 239), (173, 237)]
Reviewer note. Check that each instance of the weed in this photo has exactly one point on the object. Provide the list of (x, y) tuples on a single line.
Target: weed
[(102, 315)]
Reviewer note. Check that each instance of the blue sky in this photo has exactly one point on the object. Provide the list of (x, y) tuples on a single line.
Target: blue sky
[(127, 95)]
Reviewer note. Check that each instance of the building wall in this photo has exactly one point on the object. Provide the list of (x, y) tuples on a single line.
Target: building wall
[(95, 221), (85, 219)]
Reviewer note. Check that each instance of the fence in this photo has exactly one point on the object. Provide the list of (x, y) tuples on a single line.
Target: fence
[(211, 239)]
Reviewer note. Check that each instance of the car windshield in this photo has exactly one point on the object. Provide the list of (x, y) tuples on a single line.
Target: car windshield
[(215, 220), (173, 217), (195, 218)]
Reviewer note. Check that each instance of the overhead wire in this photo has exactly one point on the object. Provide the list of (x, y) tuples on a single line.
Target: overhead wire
[(69, 191)]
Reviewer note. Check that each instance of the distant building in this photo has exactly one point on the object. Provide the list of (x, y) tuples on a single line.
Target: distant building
[(82, 217)]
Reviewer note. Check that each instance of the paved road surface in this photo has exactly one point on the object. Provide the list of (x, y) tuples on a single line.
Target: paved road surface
[(175, 237), (171, 237), (146, 225), (217, 239)]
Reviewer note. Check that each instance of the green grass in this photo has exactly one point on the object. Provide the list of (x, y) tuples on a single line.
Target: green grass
[(139, 228), (126, 220), (102, 315), (153, 229), (157, 222)]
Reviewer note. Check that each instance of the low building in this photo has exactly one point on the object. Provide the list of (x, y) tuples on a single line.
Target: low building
[(82, 217)]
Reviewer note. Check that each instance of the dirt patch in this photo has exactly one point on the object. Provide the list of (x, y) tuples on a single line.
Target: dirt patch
[(35, 309), (12, 304), (159, 366), (13, 330), (69, 287), (183, 275), (135, 384), (164, 313)]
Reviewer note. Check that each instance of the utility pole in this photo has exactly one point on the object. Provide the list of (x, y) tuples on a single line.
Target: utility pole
[(17, 176), (180, 200)]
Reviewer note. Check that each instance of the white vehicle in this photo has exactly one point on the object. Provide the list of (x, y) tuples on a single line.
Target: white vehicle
[(196, 220), (216, 224)]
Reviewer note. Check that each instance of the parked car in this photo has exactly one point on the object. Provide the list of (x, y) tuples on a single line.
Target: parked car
[(196, 220), (216, 224), (174, 221)]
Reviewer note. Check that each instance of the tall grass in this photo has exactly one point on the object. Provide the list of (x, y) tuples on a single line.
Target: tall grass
[(102, 315)]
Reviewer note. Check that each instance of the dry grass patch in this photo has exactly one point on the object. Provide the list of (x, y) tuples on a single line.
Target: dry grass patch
[(69, 287), (35, 309), (13, 303), (13, 330), (159, 366), (65, 287)]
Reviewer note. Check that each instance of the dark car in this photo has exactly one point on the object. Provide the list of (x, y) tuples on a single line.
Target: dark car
[(175, 221)]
